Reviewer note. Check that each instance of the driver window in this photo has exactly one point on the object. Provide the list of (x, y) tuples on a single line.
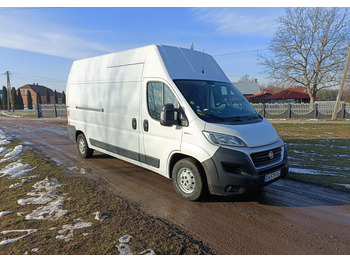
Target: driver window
[(159, 94)]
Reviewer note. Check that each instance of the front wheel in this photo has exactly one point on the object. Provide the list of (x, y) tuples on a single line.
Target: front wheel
[(83, 148), (189, 180)]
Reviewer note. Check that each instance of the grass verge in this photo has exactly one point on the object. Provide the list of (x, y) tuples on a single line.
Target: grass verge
[(319, 153), (82, 198)]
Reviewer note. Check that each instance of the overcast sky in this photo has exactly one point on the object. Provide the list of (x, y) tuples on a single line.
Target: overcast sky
[(38, 45)]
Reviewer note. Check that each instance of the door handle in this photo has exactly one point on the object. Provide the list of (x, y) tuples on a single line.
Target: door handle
[(145, 125), (134, 124)]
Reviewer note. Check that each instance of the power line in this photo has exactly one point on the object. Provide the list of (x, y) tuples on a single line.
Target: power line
[(39, 78), (241, 52)]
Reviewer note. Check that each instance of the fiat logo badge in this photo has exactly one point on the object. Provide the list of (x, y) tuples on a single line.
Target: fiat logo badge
[(271, 155)]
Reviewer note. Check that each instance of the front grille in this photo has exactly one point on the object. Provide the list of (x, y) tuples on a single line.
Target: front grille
[(263, 158)]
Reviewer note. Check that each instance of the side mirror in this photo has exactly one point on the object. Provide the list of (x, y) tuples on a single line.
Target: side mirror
[(167, 115)]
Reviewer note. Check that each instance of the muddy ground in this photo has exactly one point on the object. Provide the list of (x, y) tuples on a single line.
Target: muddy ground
[(287, 217)]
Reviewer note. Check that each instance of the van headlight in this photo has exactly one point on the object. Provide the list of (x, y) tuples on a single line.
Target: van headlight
[(223, 140)]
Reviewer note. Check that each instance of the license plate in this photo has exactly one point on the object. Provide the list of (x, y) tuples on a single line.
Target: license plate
[(272, 176)]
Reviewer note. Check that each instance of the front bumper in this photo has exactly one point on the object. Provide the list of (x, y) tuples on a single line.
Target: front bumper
[(231, 172)]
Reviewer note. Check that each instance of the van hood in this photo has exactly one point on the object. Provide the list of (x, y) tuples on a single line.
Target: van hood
[(254, 135)]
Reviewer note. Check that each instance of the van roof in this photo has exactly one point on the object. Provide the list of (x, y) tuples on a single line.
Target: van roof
[(182, 63), (148, 61)]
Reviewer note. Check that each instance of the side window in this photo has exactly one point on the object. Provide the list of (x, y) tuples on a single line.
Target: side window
[(154, 99), (159, 94)]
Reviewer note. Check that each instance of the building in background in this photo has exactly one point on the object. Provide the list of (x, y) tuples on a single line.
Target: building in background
[(33, 89), (289, 95), (247, 88)]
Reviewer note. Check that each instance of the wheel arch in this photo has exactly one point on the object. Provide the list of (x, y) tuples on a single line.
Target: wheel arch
[(177, 157), (77, 133)]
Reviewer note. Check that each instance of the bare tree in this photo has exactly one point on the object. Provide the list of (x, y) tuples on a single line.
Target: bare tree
[(246, 78), (309, 48)]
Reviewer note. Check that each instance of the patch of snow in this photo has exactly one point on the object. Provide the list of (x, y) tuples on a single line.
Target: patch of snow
[(5, 213), (99, 216), (47, 184), (59, 162), (299, 152), (41, 200), (52, 211), (14, 154), (147, 252), (8, 115), (24, 181), (310, 172), (4, 138), (125, 239), (124, 248), (67, 231), (45, 191), (27, 143), (11, 240), (16, 185), (344, 185), (16, 170), (341, 156), (72, 168), (2, 150)]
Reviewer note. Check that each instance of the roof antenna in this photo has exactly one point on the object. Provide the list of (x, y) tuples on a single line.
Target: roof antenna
[(203, 63)]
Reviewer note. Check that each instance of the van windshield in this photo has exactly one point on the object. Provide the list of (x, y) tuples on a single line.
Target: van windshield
[(217, 102)]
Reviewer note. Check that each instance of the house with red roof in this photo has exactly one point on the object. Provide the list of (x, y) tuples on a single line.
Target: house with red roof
[(258, 97), (289, 95)]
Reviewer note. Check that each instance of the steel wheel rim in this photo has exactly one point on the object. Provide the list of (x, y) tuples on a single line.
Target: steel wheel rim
[(186, 180), (82, 146)]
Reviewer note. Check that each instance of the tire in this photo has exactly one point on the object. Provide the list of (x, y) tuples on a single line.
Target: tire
[(189, 180), (83, 148)]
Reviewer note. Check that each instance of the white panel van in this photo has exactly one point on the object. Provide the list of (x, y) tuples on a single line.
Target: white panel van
[(173, 111)]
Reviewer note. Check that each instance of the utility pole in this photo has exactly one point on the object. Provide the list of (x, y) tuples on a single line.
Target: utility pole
[(8, 91), (334, 117)]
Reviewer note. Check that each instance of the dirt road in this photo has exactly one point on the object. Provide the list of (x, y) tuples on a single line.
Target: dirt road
[(287, 217)]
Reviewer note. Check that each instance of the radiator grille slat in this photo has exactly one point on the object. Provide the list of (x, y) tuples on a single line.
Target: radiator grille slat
[(263, 158)]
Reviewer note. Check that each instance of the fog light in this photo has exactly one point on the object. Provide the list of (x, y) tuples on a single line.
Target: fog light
[(231, 188)]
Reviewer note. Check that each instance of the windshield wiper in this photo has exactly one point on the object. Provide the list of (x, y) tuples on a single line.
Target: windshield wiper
[(241, 118), (213, 116), (235, 118)]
